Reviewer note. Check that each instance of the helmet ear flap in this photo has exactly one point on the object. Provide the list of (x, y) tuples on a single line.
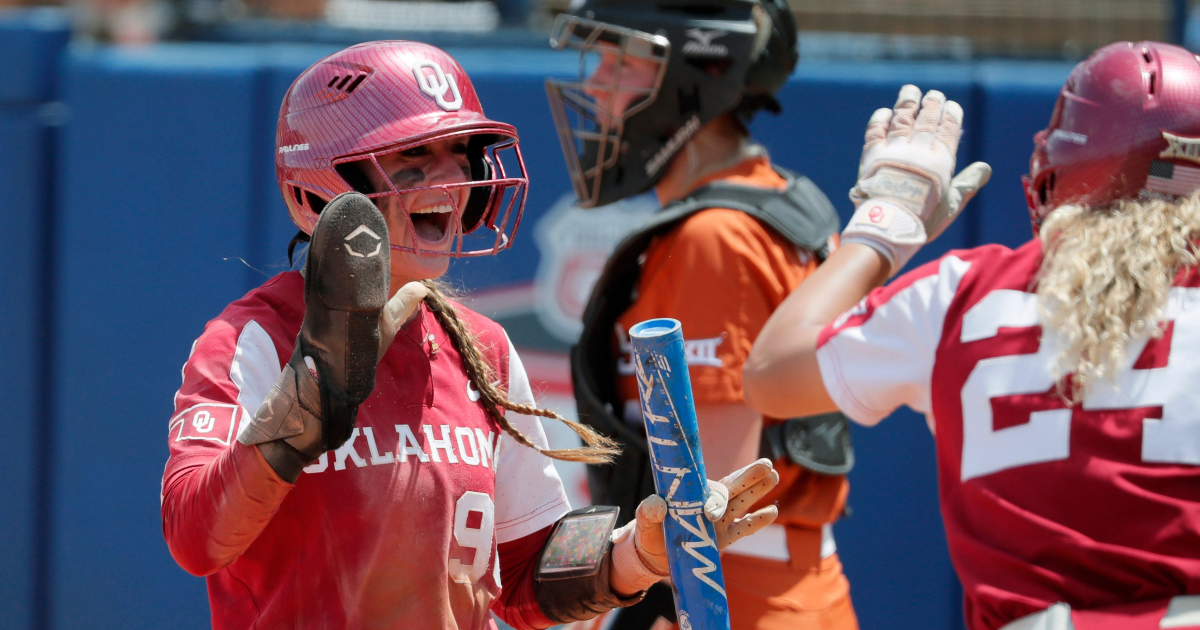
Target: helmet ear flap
[(479, 201)]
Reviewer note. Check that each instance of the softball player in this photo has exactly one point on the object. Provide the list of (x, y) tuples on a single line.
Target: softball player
[(350, 448), (1059, 378), (664, 100)]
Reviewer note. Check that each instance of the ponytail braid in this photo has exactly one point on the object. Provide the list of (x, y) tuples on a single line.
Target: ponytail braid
[(599, 449)]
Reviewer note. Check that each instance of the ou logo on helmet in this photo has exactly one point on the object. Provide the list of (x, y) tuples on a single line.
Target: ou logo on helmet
[(436, 83)]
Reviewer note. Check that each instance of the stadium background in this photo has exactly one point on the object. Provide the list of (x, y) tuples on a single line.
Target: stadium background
[(139, 198)]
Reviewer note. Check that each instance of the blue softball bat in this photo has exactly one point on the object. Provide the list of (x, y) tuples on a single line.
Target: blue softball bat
[(670, 415)]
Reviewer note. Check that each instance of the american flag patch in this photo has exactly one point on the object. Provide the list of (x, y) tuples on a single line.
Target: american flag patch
[(1172, 179)]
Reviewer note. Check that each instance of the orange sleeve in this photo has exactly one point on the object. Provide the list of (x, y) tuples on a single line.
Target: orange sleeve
[(721, 273)]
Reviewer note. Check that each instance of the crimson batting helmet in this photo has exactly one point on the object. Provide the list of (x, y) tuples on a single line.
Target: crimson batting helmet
[(384, 97), (1126, 124)]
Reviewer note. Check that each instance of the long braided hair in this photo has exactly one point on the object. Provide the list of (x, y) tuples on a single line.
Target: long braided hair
[(598, 449)]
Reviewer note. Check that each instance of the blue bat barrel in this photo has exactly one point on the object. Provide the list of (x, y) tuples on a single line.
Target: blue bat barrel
[(670, 414)]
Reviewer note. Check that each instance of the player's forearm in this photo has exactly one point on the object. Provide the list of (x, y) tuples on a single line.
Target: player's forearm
[(782, 378), (214, 512), (517, 604)]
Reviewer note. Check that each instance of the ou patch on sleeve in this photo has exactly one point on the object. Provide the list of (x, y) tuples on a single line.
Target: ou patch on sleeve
[(209, 421)]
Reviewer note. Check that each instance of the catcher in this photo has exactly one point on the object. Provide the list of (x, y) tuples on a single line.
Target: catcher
[(667, 92)]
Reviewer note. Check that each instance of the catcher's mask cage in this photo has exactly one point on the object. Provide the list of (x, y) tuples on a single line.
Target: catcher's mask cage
[(584, 110)]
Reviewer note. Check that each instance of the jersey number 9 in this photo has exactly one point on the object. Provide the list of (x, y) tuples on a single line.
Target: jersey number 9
[(475, 535)]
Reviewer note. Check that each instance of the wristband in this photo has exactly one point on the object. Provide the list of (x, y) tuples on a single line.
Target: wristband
[(888, 228), (578, 544), (572, 581)]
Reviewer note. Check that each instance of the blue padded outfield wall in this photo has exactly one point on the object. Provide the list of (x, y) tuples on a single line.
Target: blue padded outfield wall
[(30, 49), (153, 204)]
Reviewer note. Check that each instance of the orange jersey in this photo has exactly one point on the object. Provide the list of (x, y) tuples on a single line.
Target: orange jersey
[(722, 273)]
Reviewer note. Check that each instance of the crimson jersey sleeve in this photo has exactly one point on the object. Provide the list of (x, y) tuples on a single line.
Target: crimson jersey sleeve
[(880, 354), (517, 604), (217, 494), (529, 501)]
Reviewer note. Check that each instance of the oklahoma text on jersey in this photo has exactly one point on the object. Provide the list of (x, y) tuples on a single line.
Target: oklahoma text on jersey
[(428, 484)]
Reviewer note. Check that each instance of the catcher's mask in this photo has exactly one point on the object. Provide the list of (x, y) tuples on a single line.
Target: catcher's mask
[(694, 60)]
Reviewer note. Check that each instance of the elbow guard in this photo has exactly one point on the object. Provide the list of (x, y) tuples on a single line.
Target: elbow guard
[(572, 578)]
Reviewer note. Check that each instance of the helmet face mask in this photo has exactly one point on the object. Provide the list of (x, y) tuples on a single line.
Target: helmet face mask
[(483, 225), (381, 98), (652, 74)]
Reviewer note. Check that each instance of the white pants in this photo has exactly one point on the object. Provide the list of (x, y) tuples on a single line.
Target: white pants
[(771, 542)]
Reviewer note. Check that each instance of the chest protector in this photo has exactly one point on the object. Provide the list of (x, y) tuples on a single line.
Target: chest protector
[(800, 213)]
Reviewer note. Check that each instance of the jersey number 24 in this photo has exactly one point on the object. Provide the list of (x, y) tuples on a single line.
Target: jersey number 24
[(1173, 439)]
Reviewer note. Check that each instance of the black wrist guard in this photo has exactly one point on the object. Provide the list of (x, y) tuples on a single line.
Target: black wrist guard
[(571, 582), (285, 459)]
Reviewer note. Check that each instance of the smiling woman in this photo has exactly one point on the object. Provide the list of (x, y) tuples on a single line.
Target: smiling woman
[(438, 163), (352, 449)]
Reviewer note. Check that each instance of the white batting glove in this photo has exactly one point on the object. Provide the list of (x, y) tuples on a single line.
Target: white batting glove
[(640, 548), (905, 196)]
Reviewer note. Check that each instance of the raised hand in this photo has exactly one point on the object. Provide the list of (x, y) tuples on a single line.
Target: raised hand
[(905, 195)]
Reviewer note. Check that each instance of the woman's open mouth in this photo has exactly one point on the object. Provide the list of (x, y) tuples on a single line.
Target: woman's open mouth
[(432, 223)]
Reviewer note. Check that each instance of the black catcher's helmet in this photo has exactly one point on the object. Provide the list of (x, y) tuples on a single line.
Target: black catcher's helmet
[(713, 57)]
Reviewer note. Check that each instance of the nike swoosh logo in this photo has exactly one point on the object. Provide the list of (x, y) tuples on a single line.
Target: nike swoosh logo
[(473, 394)]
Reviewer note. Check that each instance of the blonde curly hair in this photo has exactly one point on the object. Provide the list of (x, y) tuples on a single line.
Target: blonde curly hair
[(1104, 279)]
